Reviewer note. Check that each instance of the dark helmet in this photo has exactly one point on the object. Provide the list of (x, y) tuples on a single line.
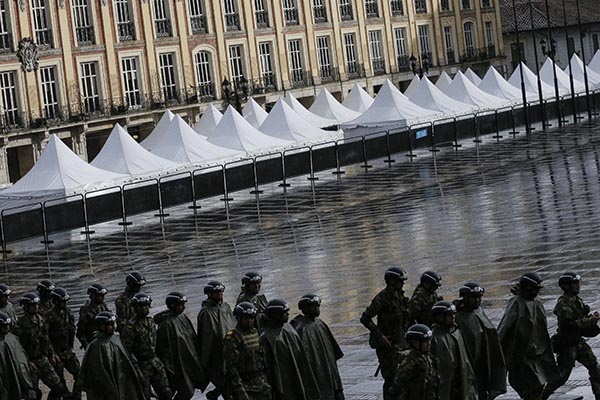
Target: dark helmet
[(4, 290), (46, 285), (141, 299), (135, 278), (531, 279), (443, 308), (308, 300), (251, 277), (245, 309), (213, 286), (277, 306), (419, 332), (5, 319), (471, 289), (60, 294), (432, 277), (175, 298), (29, 299), (395, 274), (96, 288), (105, 317), (568, 278)]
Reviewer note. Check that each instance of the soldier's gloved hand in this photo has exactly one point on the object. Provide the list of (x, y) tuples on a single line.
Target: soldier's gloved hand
[(31, 395), (55, 359), (383, 341)]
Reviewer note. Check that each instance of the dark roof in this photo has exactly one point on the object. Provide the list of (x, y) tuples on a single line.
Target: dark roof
[(589, 10)]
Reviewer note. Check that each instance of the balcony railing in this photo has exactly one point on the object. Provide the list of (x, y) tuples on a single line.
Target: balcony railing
[(199, 24), (328, 73), (355, 70), (232, 22), (451, 56), (403, 62), (445, 5), (44, 38), (301, 78), (320, 13), (291, 16), (85, 36), (372, 9), (421, 6), (266, 84), (346, 12), (6, 43), (397, 7), (482, 54), (262, 19), (379, 67), (163, 28), (126, 31)]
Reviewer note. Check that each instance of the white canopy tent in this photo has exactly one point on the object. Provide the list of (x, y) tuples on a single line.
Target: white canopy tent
[(183, 145), (160, 128), (465, 91), (235, 133), (564, 83), (327, 106), (285, 123), (443, 81), (494, 84), (123, 155), (530, 80), (428, 96), (208, 121), (254, 113), (358, 99), (60, 172), (472, 76), (595, 63), (413, 85), (312, 118), (578, 73)]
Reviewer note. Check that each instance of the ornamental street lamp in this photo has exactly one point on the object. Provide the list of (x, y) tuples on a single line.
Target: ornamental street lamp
[(234, 93), (423, 65), (551, 52)]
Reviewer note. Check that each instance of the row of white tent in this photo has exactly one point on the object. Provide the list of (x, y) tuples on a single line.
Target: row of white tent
[(173, 145)]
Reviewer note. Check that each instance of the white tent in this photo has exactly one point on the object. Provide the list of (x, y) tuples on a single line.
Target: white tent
[(312, 118), (494, 84), (473, 77), (160, 128), (285, 123), (184, 146), (443, 81), (530, 80), (327, 106), (208, 121), (391, 107), (564, 83), (358, 99), (234, 132), (578, 73), (465, 91), (123, 155), (59, 171), (412, 86), (595, 63), (428, 96), (254, 113)]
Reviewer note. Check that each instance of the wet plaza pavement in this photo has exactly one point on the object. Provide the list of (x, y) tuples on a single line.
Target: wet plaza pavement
[(487, 212)]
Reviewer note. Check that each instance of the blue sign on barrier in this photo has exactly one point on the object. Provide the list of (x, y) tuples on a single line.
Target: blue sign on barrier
[(420, 134)]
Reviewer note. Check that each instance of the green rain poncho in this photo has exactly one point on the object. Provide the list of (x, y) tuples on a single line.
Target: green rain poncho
[(15, 374)]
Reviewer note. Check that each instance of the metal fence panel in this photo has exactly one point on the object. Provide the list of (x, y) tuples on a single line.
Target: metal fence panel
[(64, 216), (399, 141), (209, 184), (103, 208), (239, 177), (140, 199), (23, 225), (324, 158), (465, 128), (487, 124), (297, 164), (351, 152), (444, 132), (376, 147), (176, 191), (269, 170)]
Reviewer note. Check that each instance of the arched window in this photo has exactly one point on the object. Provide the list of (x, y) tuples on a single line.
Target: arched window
[(204, 74), (469, 39)]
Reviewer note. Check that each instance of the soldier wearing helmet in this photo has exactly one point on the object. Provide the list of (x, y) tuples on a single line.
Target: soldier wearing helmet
[(387, 337), (481, 340), (107, 371), (424, 297), (289, 372), (134, 282), (6, 306), (244, 359), (215, 319), (417, 374), (523, 333), (176, 342), (32, 330), (45, 288), (321, 348), (86, 326), (61, 328), (251, 283), (139, 338), (17, 380), (575, 322), (457, 380)]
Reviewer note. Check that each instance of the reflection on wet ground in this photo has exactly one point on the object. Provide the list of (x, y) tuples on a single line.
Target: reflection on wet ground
[(485, 213)]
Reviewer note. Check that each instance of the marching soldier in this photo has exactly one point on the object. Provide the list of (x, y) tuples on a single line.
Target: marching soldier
[(134, 281), (45, 288), (417, 375), (244, 359), (139, 338), (32, 330), (61, 328), (17, 380), (86, 326), (390, 306), (6, 306), (251, 283), (575, 321), (424, 297)]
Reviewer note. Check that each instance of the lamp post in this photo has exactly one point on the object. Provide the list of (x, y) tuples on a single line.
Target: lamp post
[(423, 65), (523, 92), (537, 69), (236, 92), (572, 83), (552, 54), (585, 76)]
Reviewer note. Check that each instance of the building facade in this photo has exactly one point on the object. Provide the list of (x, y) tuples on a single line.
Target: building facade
[(77, 67)]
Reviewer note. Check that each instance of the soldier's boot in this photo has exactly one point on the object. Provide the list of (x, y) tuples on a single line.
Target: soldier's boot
[(213, 394), (59, 392), (594, 371), (164, 394)]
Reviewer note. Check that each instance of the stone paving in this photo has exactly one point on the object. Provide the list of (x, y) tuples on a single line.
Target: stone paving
[(486, 212)]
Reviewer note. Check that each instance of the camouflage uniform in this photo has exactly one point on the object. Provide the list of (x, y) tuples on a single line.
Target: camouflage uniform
[(420, 305), (61, 328), (32, 331), (124, 310), (139, 338), (9, 310), (416, 377), (46, 306), (574, 316), (245, 365), (259, 301), (86, 326)]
